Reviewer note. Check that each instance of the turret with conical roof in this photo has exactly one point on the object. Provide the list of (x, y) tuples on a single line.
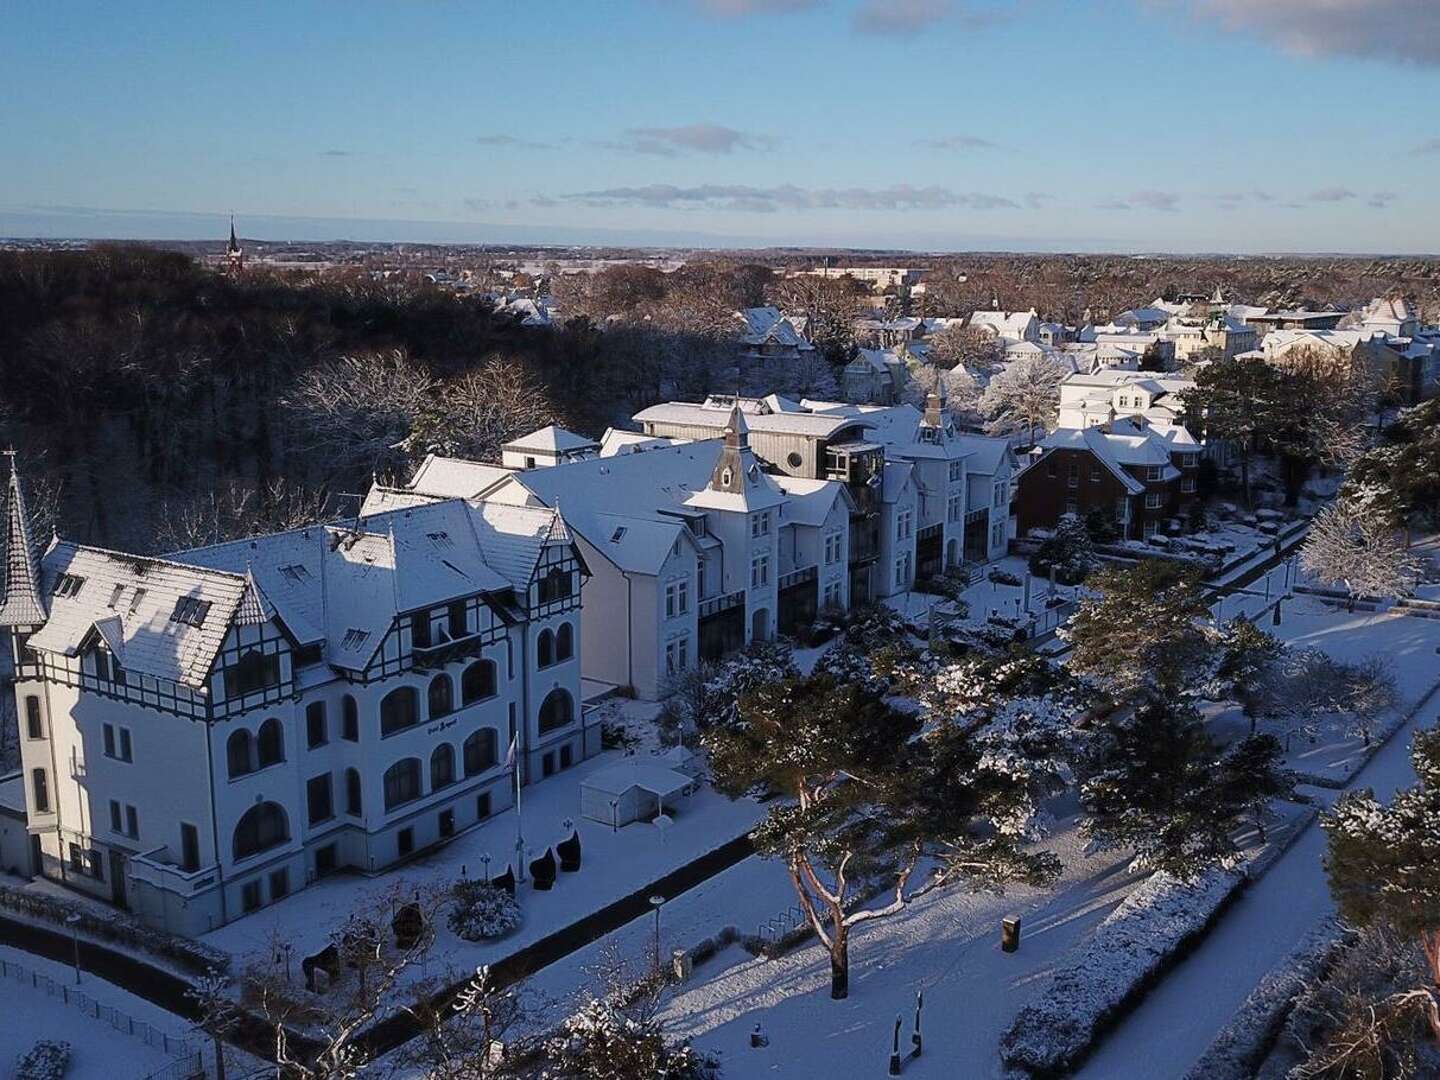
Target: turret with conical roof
[(21, 604), (729, 472)]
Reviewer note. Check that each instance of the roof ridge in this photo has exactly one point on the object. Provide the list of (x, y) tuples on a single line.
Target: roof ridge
[(159, 559)]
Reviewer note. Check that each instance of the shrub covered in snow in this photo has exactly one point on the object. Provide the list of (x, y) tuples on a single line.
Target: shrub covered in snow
[(480, 911), (1004, 577), (706, 694), (46, 1060), (1069, 553), (600, 1042), (873, 626), (117, 927), (1134, 945)]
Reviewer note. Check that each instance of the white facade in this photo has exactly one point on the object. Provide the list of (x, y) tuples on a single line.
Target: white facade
[(204, 734)]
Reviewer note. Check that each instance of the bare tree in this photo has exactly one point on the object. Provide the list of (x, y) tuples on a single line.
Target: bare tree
[(469, 1037), (236, 511), (474, 415), (977, 351), (1351, 546), (356, 413), (1024, 397)]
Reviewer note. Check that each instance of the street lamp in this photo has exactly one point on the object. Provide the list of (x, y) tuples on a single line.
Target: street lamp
[(485, 861), (73, 921), (657, 902)]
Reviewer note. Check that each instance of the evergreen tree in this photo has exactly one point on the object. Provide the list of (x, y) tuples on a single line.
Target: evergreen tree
[(874, 798), (1383, 863), (1146, 634), (1069, 551), (1248, 656), (1240, 401), (1154, 782)]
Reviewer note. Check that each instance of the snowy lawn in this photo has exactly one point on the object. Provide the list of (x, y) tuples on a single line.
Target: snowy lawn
[(616, 863), (98, 1051), (1334, 752), (947, 943)]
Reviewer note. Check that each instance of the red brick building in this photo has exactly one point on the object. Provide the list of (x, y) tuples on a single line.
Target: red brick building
[(1124, 470)]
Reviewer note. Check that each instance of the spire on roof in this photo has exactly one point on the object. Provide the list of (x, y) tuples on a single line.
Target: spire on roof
[(737, 431), (20, 601)]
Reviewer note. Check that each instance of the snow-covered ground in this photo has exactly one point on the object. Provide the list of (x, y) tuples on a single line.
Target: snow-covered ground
[(1179, 1018), (616, 863), (947, 944), (98, 1051)]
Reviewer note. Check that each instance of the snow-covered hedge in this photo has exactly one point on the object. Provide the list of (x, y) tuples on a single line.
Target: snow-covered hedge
[(45, 1060), (480, 911), (1242, 1045), (116, 927), (1134, 945)]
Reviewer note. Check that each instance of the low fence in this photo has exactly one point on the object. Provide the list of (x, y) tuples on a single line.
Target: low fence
[(187, 1062)]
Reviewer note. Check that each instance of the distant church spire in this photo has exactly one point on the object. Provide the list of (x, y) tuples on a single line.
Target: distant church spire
[(234, 253), (20, 600)]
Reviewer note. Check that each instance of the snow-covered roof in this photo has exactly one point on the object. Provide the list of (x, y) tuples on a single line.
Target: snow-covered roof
[(793, 423), (809, 502), (456, 478), (168, 620), (985, 454), (618, 441), (768, 325), (1011, 325), (1116, 445), (616, 780), (897, 477), (551, 439)]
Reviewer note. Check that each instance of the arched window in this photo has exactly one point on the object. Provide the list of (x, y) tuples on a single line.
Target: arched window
[(349, 719), (270, 743), (545, 649), (237, 753), (402, 783), (353, 803), (478, 682), (556, 710), (442, 696), (442, 767), (261, 828), (399, 709), (480, 751), (564, 642)]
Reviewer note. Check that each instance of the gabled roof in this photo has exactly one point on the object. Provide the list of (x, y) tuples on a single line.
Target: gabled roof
[(706, 416), (897, 478), (137, 600), (456, 478), (811, 501)]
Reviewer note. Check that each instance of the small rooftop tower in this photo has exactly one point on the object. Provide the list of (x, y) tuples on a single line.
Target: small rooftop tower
[(729, 472), (21, 605)]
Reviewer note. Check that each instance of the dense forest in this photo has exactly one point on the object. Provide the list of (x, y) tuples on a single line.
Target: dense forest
[(157, 404)]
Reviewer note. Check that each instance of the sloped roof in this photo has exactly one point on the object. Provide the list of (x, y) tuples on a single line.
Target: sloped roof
[(21, 603), (810, 501), (985, 453), (136, 598), (456, 478), (551, 439), (679, 412), (897, 476), (617, 441)]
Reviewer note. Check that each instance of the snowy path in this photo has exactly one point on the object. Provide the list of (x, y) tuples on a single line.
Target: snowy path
[(1179, 1018), (948, 944)]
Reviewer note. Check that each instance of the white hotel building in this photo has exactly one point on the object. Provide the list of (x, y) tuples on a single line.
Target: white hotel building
[(203, 734)]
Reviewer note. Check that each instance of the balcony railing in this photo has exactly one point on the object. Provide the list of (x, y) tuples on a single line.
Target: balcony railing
[(799, 577), (721, 603), (158, 867), (440, 653)]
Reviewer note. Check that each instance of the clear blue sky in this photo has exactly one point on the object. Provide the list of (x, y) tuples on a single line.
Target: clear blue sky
[(1119, 124)]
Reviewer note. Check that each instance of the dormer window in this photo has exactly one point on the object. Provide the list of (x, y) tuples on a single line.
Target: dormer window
[(191, 611), (115, 594), (726, 476), (354, 639), (135, 599), (68, 585), (295, 573)]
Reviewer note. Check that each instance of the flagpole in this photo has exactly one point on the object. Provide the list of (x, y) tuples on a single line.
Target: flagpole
[(519, 824)]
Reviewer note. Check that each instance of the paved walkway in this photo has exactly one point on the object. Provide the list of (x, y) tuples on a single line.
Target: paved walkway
[(1180, 1017)]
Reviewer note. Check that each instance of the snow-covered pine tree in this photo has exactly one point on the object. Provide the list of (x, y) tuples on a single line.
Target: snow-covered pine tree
[(1153, 781), (875, 798)]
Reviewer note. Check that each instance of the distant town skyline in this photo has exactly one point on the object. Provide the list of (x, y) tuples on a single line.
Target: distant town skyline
[(1092, 125)]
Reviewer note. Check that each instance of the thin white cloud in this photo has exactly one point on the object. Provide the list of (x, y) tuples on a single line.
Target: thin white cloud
[(1332, 194), (748, 198), (1165, 201), (733, 8), (513, 142), (1429, 146), (958, 142), (689, 138), (899, 17), (1392, 30)]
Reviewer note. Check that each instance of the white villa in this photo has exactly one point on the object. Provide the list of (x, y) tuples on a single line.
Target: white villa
[(205, 733)]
